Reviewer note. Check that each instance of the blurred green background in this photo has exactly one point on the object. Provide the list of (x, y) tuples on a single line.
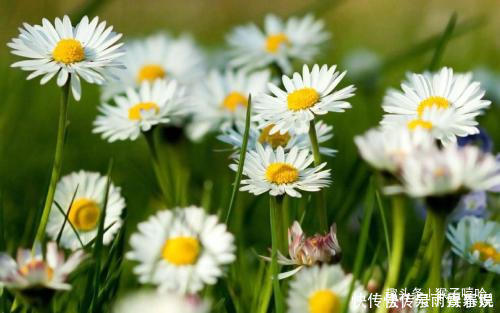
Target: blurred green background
[(392, 29)]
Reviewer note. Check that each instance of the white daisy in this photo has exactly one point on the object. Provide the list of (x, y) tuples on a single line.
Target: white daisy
[(87, 51), (222, 98), (277, 172), (234, 136), (279, 43), (477, 241), (181, 250), (304, 97), (323, 290), (88, 190), (152, 302), (34, 271), (154, 103), (159, 56), (444, 103)]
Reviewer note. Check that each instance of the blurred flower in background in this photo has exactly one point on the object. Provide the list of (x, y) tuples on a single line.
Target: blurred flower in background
[(152, 302)]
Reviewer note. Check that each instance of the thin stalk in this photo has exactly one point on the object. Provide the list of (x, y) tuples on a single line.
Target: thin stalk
[(160, 175), (384, 224), (441, 45), (422, 247), (438, 223), (321, 205), (398, 231), (56, 166), (274, 217)]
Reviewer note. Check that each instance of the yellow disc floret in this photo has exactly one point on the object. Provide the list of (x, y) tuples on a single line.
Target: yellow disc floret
[(324, 301), (37, 265), (84, 214), (68, 51), (486, 251), (302, 99), (437, 102), (150, 72), (181, 250), (274, 140), (418, 123), (281, 173), (274, 42), (233, 100), (134, 113)]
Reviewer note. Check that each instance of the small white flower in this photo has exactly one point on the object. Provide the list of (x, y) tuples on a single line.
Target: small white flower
[(279, 43), (88, 190), (181, 250), (477, 241), (159, 56), (87, 51), (36, 271), (304, 97), (323, 289), (154, 103), (443, 103), (277, 172), (221, 99), (152, 302)]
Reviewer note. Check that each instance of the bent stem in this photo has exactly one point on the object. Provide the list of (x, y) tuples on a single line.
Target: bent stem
[(160, 175), (398, 232), (321, 205), (56, 166), (422, 247), (275, 238), (438, 224)]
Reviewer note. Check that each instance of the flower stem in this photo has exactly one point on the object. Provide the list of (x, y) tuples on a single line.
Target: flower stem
[(321, 205), (56, 166), (438, 223), (398, 232), (275, 238), (160, 175), (424, 242)]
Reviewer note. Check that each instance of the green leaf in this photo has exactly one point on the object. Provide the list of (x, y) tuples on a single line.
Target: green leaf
[(441, 44), (66, 219), (384, 224)]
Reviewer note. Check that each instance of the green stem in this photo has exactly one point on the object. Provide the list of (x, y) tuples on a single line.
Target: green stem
[(274, 217), (438, 224), (424, 242), (56, 166), (321, 205), (398, 231), (160, 175)]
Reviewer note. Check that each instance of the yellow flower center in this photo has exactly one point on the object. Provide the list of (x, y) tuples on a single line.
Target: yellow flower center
[(274, 42), (324, 301), (302, 99), (84, 214), (150, 72), (416, 123), (281, 173), (276, 139), (134, 113), (181, 250), (233, 100), (35, 265), (486, 251), (68, 51), (439, 102)]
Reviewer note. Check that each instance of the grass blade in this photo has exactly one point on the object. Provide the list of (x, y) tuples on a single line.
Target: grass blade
[(58, 206), (66, 218), (384, 224), (441, 44)]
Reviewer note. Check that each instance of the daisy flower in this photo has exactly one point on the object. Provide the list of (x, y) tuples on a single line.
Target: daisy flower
[(34, 271), (234, 136), (221, 98), (157, 102), (88, 190), (443, 103), (279, 173), (87, 50), (152, 302), (322, 289), (477, 241), (181, 250), (304, 97), (279, 43), (159, 56)]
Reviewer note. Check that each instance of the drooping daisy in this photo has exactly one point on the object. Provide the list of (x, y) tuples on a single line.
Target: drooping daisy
[(221, 98), (34, 271), (159, 56), (152, 302), (322, 289), (88, 190), (477, 241), (234, 136), (154, 103), (279, 43), (87, 50), (443, 103), (304, 97), (279, 173), (181, 250)]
